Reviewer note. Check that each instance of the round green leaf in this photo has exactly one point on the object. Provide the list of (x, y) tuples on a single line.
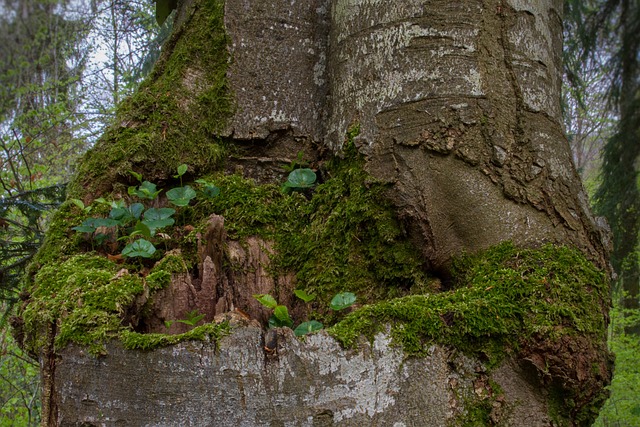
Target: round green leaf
[(182, 169), (308, 328), (266, 300), (342, 301), (282, 313), (301, 178), (304, 296), (181, 196), (141, 247), (155, 214)]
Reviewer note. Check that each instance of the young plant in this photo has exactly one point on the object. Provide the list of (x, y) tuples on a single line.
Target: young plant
[(299, 179), (181, 196), (193, 317), (280, 316), (209, 190), (146, 190), (139, 248)]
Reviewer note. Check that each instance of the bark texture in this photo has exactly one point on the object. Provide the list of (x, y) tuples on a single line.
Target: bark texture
[(457, 104), (311, 383)]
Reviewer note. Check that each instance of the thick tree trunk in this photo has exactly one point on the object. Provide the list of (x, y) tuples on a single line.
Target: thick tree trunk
[(457, 106)]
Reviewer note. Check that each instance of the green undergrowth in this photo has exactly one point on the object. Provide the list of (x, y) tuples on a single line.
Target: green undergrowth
[(501, 298), (174, 115)]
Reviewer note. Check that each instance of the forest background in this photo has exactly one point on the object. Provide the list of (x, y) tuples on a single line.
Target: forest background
[(66, 64)]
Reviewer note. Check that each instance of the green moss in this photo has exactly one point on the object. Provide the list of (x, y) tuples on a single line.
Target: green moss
[(87, 298), (501, 297), (209, 332), (342, 236), (84, 296), (174, 115)]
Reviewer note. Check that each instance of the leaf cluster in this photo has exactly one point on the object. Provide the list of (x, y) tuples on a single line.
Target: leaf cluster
[(281, 318), (136, 223)]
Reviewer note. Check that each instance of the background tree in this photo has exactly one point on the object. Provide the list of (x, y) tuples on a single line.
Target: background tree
[(603, 33), (609, 29)]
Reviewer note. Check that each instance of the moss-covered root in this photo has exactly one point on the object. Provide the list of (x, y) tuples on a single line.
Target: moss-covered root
[(546, 305)]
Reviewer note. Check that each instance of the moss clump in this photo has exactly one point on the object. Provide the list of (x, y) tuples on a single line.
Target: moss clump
[(84, 296), (209, 332), (87, 298), (349, 239), (501, 296), (173, 116)]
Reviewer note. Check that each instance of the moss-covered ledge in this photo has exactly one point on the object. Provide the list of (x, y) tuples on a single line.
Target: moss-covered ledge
[(546, 306)]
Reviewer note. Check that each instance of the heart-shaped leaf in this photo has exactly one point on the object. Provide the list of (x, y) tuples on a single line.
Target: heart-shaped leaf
[(301, 178), (308, 328), (154, 214), (157, 224), (304, 296), (342, 301), (140, 248), (282, 313), (136, 210), (181, 196), (84, 229), (274, 322), (146, 190), (266, 300), (105, 222), (143, 229), (182, 169)]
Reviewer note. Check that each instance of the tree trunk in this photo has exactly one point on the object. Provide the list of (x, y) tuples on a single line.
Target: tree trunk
[(452, 108)]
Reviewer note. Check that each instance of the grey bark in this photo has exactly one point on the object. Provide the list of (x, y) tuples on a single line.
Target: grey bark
[(310, 383)]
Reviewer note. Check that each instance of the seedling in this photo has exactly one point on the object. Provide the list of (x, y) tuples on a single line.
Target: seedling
[(280, 316), (299, 179)]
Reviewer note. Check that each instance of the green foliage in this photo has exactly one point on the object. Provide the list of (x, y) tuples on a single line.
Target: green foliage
[(623, 406), (303, 295), (266, 300), (139, 248), (181, 196), (192, 319), (146, 190), (19, 385), (209, 189), (300, 179), (22, 219), (309, 327), (156, 218), (281, 317), (342, 300)]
